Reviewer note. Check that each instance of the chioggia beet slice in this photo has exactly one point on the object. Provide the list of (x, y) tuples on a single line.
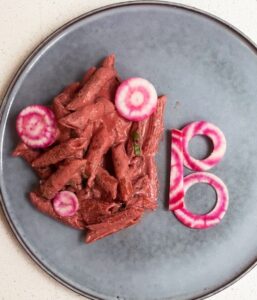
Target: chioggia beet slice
[(212, 218), (176, 194), (219, 145), (36, 126), (136, 99), (66, 204)]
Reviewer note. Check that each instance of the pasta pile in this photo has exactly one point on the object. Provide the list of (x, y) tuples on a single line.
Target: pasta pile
[(104, 159)]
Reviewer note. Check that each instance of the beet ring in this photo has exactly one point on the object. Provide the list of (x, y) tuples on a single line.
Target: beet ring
[(219, 145), (212, 218)]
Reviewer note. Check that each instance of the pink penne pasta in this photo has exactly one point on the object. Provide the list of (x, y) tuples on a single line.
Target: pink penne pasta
[(108, 91), (155, 128), (109, 61), (64, 134), (121, 167), (25, 152), (113, 223), (142, 192), (87, 132), (76, 182), (94, 210), (151, 171), (59, 109), (107, 182), (100, 144), (60, 178), (118, 126), (136, 167), (66, 95), (88, 74), (69, 149), (43, 172), (91, 112), (95, 83)]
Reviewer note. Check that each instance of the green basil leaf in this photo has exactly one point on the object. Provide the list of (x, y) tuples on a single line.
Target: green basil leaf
[(137, 149), (135, 136)]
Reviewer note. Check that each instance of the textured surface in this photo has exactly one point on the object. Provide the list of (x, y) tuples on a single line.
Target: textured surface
[(230, 78)]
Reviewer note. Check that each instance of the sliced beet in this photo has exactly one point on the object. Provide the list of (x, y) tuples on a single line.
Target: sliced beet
[(66, 204), (212, 218), (136, 99), (219, 145), (176, 195), (36, 126)]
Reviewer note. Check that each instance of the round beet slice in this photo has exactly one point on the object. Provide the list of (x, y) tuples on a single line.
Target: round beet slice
[(212, 218), (66, 204), (136, 99), (36, 126), (219, 145)]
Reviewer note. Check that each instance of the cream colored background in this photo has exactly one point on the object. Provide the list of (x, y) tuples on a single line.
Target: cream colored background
[(23, 25)]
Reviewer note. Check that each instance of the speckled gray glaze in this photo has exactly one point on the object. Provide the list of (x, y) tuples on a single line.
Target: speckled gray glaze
[(208, 71)]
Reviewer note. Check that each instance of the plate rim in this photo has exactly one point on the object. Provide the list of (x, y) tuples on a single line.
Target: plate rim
[(23, 66)]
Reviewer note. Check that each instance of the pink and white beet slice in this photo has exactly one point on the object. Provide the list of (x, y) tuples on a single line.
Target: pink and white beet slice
[(176, 193), (136, 99), (219, 145), (212, 218), (36, 126), (65, 204)]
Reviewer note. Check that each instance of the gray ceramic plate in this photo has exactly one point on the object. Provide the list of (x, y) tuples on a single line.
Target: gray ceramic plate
[(208, 70)]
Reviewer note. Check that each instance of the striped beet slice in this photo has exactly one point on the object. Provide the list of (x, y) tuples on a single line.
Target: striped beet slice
[(219, 145), (212, 218), (136, 99), (66, 204), (36, 126), (176, 194)]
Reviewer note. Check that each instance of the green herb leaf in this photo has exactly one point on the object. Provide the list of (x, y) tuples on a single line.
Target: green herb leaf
[(137, 149), (135, 136)]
